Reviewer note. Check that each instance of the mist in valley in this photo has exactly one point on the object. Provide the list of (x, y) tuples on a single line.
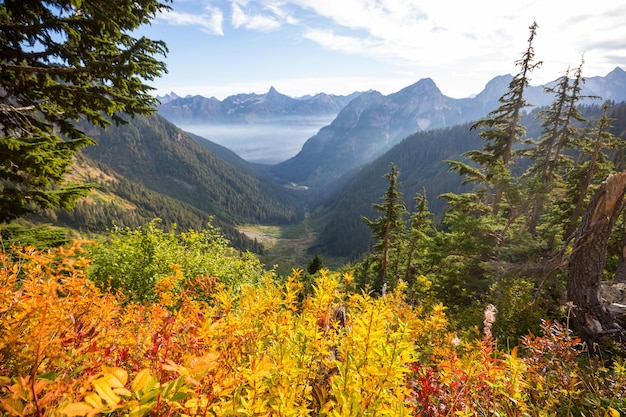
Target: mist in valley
[(265, 142)]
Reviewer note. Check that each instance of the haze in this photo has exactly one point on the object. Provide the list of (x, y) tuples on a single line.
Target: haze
[(267, 143)]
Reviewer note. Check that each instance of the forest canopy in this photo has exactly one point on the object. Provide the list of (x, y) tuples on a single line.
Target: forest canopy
[(62, 61)]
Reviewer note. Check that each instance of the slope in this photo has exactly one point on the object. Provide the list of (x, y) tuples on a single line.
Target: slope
[(372, 123), (117, 201), (156, 154), (420, 159)]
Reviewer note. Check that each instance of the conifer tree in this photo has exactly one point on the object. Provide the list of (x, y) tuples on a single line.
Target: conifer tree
[(388, 228), (557, 135), (64, 61), (417, 233), (315, 265), (491, 172), (593, 163), (501, 129)]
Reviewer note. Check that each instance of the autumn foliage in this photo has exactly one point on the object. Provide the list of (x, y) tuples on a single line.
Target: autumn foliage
[(199, 348)]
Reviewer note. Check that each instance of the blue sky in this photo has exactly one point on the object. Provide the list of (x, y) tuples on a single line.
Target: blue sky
[(224, 47)]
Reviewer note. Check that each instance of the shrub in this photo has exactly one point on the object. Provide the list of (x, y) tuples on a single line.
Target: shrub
[(69, 349), (134, 261)]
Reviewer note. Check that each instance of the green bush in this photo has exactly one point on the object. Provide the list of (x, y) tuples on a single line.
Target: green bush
[(133, 261)]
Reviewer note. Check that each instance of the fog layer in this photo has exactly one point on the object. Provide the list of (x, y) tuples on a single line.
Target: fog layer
[(265, 143)]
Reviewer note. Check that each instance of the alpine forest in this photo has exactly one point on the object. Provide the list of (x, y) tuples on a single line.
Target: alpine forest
[(473, 270)]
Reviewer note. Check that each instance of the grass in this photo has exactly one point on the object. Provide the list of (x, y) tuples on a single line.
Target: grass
[(286, 246)]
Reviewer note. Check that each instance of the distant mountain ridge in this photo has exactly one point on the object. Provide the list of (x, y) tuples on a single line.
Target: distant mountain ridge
[(372, 123), (248, 108)]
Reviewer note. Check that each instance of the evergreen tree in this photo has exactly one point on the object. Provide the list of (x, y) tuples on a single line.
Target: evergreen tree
[(388, 228), (593, 163), (417, 234), (558, 131), (491, 171), (315, 265), (62, 61), (501, 130)]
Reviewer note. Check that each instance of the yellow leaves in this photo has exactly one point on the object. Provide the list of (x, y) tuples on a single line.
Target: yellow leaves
[(78, 409), (292, 289), (111, 385), (373, 361), (613, 412), (267, 349), (225, 299), (348, 277), (205, 363), (424, 283), (165, 288), (116, 377), (110, 394), (259, 369), (326, 289), (141, 380), (94, 400), (619, 368)]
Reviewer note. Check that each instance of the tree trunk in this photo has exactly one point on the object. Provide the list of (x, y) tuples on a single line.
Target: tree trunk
[(586, 182), (590, 318)]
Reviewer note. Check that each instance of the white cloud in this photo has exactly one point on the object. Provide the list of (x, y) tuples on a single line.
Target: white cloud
[(461, 45), (210, 22), (472, 39), (334, 41), (259, 22)]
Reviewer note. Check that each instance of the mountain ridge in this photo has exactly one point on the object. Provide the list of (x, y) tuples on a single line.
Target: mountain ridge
[(248, 108), (355, 138), (158, 155)]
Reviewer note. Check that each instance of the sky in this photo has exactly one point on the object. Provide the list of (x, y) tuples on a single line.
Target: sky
[(218, 48)]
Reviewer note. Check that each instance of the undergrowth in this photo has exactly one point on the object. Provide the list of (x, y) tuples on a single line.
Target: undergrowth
[(69, 347)]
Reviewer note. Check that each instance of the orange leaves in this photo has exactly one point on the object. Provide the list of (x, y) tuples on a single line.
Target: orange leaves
[(265, 349)]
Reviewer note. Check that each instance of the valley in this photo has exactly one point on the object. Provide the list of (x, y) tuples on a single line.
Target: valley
[(392, 252), (188, 180), (284, 247)]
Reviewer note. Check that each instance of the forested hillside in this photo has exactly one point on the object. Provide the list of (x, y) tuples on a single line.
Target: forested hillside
[(119, 202), (161, 157), (421, 159), (151, 169)]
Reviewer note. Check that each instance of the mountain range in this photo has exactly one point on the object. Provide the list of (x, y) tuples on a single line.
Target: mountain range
[(151, 168), (372, 124), (367, 124), (248, 108)]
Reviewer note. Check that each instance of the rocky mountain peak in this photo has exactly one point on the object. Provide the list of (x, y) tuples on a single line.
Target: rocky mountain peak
[(617, 76), (425, 87)]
